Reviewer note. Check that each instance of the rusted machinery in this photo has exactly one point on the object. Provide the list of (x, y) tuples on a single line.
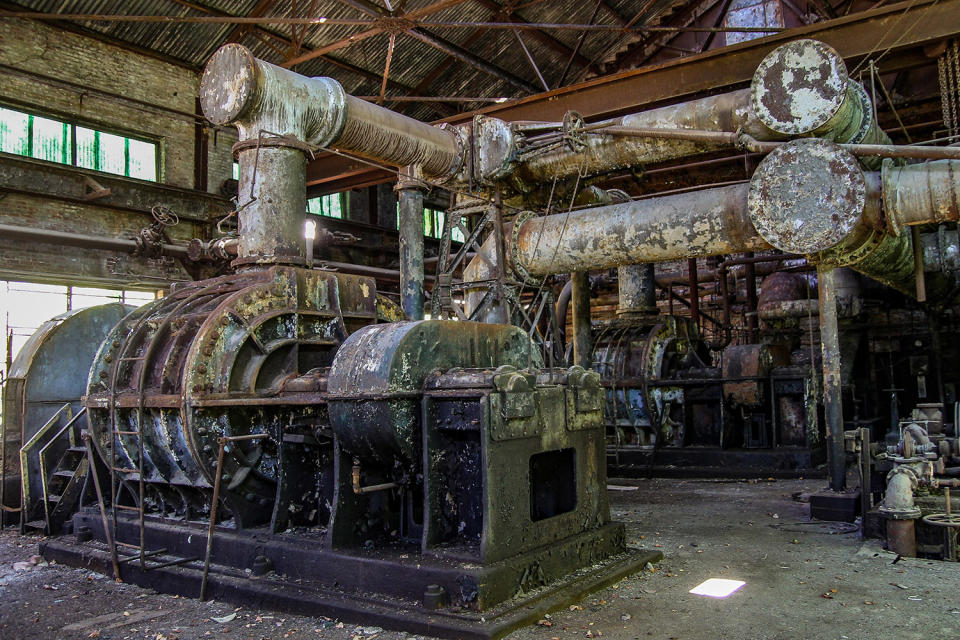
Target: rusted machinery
[(907, 484), (671, 409), (264, 420), (41, 397), (428, 475)]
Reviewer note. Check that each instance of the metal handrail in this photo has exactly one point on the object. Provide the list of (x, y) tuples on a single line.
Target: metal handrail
[(42, 456), (24, 452)]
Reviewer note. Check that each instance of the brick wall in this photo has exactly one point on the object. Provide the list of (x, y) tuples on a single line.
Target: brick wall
[(33, 50)]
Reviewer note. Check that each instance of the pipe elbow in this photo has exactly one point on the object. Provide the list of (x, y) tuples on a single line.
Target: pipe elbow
[(256, 96), (898, 502)]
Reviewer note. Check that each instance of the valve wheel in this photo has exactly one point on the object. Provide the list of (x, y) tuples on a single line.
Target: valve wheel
[(943, 520)]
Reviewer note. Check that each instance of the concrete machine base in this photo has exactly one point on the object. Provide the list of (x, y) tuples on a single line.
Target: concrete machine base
[(385, 588)]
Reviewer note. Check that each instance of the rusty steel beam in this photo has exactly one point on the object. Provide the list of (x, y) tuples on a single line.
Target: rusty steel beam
[(391, 22), (853, 36), (454, 50), (544, 38)]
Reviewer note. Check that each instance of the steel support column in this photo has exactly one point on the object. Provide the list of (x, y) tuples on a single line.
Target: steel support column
[(582, 333), (410, 194), (832, 386)]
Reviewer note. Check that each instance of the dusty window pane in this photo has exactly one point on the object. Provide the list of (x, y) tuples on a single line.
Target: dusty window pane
[(111, 153), (51, 140), (87, 148), (143, 160), (14, 127)]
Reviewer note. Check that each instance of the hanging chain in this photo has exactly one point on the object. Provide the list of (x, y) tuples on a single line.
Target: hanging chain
[(948, 74), (954, 50)]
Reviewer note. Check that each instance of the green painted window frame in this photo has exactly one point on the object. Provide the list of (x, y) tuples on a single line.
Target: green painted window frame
[(27, 145), (330, 206), (433, 221)]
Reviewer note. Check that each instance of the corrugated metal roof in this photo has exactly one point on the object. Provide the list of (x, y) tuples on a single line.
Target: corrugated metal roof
[(416, 67)]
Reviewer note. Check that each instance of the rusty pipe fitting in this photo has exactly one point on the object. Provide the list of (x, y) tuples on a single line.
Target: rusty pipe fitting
[(802, 88), (921, 193), (280, 115), (900, 511), (373, 488), (258, 97), (810, 196)]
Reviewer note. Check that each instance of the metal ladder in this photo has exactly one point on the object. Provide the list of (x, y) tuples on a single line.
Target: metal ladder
[(137, 432)]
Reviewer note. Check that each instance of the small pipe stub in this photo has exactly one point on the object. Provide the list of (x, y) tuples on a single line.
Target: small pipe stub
[(799, 87), (807, 196), (434, 597)]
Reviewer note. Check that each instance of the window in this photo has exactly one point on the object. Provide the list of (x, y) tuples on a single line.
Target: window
[(330, 205), (25, 306), (53, 140), (433, 221)]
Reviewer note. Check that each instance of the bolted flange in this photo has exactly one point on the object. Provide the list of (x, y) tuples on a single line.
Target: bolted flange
[(807, 196), (799, 87)]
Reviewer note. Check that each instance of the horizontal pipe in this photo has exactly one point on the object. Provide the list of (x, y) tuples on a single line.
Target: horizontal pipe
[(810, 197), (264, 99), (226, 248), (749, 143), (801, 88), (922, 193), (602, 151), (687, 225), (66, 238)]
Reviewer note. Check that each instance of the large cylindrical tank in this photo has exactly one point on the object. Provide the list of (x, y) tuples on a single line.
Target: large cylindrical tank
[(378, 375), (49, 372)]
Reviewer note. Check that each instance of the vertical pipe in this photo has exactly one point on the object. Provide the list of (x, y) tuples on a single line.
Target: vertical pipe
[(921, 283), (649, 288), (694, 291), (832, 389), (411, 247), (750, 275), (273, 203), (582, 336), (636, 289)]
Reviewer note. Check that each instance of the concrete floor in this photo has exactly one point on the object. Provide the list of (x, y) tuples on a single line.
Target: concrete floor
[(804, 580)]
